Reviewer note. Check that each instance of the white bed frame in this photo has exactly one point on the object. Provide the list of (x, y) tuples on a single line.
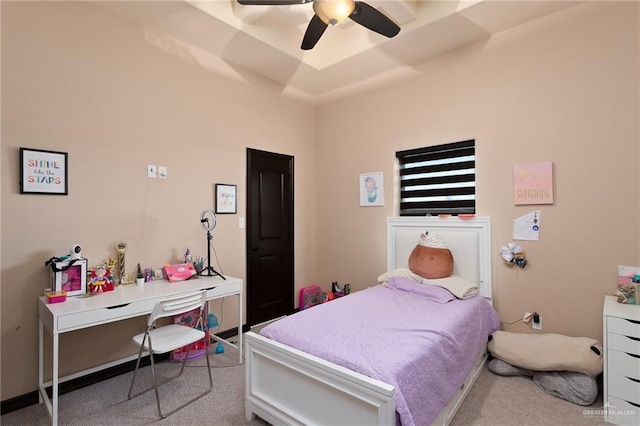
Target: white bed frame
[(285, 386)]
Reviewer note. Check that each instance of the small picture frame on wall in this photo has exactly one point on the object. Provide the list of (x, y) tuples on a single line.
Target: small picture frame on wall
[(371, 189), (533, 183), (226, 199), (43, 172)]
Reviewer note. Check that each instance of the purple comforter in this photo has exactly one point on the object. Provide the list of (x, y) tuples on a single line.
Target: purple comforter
[(408, 335)]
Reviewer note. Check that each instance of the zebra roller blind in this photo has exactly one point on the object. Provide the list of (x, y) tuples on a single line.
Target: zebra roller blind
[(438, 179)]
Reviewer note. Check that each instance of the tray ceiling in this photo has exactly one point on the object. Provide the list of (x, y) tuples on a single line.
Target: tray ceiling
[(263, 42)]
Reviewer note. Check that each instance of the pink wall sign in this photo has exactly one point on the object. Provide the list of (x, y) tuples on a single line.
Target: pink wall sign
[(533, 183)]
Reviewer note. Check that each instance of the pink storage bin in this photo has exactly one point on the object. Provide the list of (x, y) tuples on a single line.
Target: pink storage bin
[(197, 349), (56, 296), (309, 296)]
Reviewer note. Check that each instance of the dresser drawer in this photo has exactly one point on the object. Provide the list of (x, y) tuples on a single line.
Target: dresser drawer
[(621, 412), (624, 388), (623, 326), (623, 343), (623, 364), (104, 315)]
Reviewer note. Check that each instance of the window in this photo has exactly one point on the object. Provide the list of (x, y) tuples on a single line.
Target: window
[(438, 179)]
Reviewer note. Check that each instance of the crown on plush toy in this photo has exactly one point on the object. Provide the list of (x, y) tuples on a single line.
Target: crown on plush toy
[(434, 241)]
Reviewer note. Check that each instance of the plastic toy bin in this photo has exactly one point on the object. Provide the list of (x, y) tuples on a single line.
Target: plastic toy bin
[(196, 349)]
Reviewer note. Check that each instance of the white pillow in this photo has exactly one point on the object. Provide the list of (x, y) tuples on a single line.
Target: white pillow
[(400, 272), (458, 286)]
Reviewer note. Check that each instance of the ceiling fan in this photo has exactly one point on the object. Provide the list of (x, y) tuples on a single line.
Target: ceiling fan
[(334, 12)]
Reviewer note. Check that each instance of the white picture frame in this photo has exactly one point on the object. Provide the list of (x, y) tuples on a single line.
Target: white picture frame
[(71, 279), (371, 189)]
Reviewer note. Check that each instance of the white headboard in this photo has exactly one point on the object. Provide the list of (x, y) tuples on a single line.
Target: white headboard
[(469, 241)]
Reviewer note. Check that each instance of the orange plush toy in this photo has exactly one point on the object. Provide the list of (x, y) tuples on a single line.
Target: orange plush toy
[(431, 258)]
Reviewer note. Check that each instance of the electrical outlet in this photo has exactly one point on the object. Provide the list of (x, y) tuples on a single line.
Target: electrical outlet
[(527, 317), (537, 325)]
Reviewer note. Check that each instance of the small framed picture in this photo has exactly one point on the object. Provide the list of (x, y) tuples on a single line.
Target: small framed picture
[(158, 274), (628, 285), (533, 183), (43, 172), (225, 199), (371, 189)]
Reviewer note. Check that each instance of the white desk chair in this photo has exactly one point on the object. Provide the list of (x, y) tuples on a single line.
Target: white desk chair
[(160, 340)]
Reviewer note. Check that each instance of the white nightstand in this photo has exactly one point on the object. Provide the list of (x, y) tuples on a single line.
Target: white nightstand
[(621, 340)]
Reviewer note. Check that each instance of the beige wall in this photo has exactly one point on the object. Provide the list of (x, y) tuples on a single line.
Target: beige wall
[(562, 89), (79, 80), (76, 79)]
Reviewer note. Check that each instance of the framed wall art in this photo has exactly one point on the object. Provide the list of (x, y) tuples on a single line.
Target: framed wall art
[(43, 172), (533, 183), (225, 199), (371, 189)]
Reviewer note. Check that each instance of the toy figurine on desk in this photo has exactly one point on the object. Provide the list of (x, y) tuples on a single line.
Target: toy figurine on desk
[(111, 265), (101, 280), (188, 258), (198, 262)]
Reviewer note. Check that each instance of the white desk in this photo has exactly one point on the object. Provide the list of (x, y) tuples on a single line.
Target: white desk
[(124, 302)]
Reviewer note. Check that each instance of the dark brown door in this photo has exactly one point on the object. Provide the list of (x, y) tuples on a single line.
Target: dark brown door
[(270, 274)]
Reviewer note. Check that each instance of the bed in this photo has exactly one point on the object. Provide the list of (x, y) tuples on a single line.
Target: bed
[(308, 381)]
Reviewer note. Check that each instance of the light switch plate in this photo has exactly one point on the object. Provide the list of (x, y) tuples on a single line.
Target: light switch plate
[(162, 171), (151, 170)]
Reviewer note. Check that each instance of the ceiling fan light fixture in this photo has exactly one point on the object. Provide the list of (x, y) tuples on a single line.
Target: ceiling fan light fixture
[(333, 12)]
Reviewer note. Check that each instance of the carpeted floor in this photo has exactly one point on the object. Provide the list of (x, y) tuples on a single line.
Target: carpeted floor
[(106, 403), (507, 401), (493, 401)]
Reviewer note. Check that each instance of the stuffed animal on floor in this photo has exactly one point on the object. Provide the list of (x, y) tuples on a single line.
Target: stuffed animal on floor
[(562, 366), (579, 388)]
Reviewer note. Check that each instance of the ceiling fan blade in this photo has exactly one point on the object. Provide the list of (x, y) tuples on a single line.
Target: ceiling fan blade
[(372, 18), (272, 2), (314, 32)]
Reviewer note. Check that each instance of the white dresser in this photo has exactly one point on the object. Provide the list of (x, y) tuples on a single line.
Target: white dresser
[(621, 339)]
